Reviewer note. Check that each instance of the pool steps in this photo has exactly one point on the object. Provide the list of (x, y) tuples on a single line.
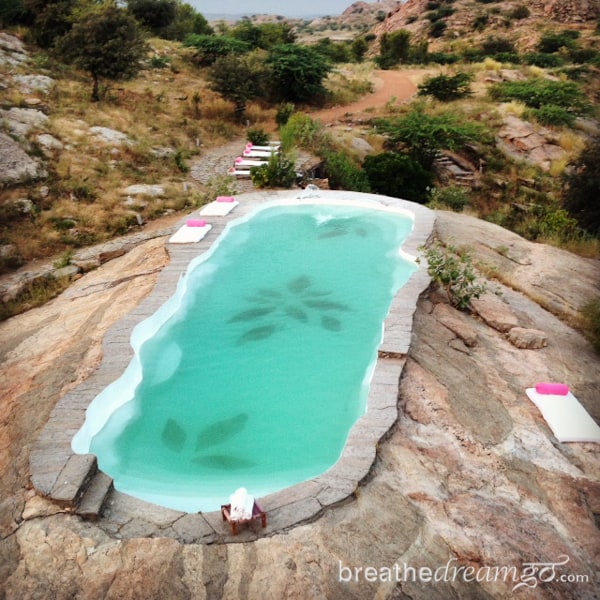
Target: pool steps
[(81, 487)]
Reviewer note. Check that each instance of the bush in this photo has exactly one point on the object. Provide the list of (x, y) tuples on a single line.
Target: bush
[(519, 12), (545, 61), (397, 175), (539, 92), (277, 172), (447, 87), (553, 42), (442, 58), (344, 174), (437, 29), (550, 114), (258, 136), (284, 112), (453, 197), (454, 271), (302, 131), (425, 135), (497, 45), (581, 185)]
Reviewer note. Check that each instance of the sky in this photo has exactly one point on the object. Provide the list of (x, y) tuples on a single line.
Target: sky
[(296, 8)]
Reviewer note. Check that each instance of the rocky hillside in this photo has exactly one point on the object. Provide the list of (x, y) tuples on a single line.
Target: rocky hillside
[(469, 20)]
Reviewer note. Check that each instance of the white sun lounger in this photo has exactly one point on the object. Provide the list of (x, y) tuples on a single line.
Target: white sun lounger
[(233, 172), (566, 417), (252, 153), (189, 235), (218, 209)]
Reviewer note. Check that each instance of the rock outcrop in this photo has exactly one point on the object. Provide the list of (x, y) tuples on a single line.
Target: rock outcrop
[(470, 477)]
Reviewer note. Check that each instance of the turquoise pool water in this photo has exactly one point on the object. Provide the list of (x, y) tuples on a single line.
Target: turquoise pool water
[(262, 362)]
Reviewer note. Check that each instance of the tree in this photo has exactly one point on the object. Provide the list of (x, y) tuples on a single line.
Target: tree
[(397, 175), (156, 15), (52, 20), (359, 48), (238, 79), (425, 135), (297, 73), (211, 47), (106, 42), (187, 21), (393, 48), (580, 193)]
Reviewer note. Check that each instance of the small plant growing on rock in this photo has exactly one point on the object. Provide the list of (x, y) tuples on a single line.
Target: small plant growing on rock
[(453, 270)]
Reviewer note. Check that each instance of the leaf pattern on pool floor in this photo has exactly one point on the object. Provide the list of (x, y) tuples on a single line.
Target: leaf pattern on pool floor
[(258, 333), (228, 462), (297, 300), (252, 313), (173, 436), (221, 431)]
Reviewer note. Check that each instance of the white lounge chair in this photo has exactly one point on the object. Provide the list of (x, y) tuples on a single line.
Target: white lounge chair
[(566, 417)]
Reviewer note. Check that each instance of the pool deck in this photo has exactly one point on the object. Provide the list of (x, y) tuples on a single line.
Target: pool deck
[(72, 480)]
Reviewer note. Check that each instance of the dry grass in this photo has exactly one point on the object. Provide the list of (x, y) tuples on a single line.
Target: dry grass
[(168, 110)]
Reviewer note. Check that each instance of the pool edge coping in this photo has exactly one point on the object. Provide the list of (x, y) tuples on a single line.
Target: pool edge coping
[(303, 502)]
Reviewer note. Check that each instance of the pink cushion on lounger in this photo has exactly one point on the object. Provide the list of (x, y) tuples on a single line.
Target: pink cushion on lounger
[(196, 223), (558, 389), (224, 198)]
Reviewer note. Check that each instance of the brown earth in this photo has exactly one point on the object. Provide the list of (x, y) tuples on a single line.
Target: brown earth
[(401, 85)]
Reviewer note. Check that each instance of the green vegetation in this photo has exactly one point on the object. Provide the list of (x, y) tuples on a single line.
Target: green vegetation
[(536, 93), (277, 172), (297, 73), (453, 270), (105, 42), (424, 135), (580, 193), (447, 87), (393, 48), (591, 322), (398, 175)]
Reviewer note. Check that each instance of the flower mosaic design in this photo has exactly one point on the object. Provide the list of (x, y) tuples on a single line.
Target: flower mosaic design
[(300, 300)]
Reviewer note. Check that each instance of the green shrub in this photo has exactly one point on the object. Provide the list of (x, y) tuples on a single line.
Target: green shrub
[(480, 22), (545, 61), (447, 87), (453, 197), (496, 45), (302, 131), (454, 272), (278, 171), (397, 175), (553, 42), (442, 58), (581, 185), (257, 136), (591, 322), (344, 174), (519, 12), (437, 29), (538, 92), (581, 56), (284, 112), (549, 114)]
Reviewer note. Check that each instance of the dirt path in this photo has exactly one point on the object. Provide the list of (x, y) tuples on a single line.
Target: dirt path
[(388, 84)]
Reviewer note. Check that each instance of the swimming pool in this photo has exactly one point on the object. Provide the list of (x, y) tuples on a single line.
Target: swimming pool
[(255, 370)]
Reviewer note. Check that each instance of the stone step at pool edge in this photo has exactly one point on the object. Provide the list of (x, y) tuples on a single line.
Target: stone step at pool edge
[(81, 487)]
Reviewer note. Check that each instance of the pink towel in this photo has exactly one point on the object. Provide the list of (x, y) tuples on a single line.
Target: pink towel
[(558, 389), (225, 199), (196, 223)]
